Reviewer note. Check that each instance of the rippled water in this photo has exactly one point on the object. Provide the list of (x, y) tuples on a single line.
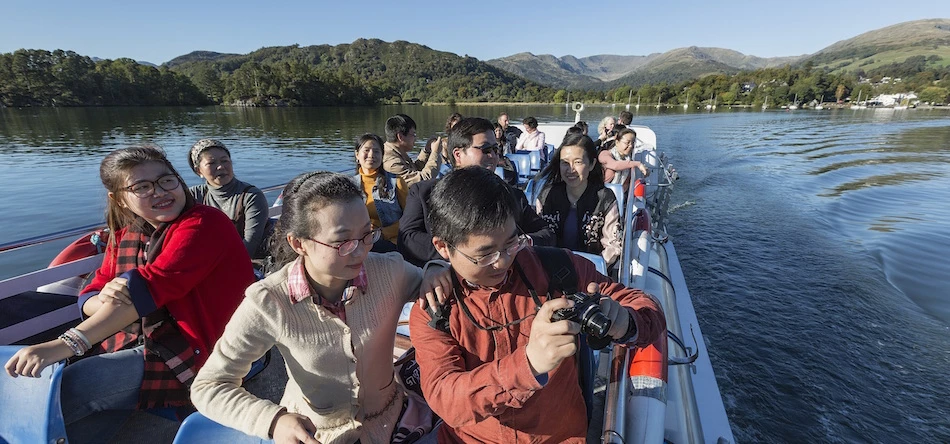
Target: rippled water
[(813, 242)]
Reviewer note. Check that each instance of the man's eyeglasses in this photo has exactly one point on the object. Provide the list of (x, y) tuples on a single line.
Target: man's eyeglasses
[(348, 246), (146, 188), (489, 149), (489, 259)]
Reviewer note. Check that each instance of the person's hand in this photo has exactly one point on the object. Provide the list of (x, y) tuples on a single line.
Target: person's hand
[(115, 292), (644, 170), (435, 288), (291, 428), (618, 314), (549, 342), (30, 361)]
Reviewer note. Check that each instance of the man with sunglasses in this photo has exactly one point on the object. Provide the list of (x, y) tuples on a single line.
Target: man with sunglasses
[(502, 370), (471, 142)]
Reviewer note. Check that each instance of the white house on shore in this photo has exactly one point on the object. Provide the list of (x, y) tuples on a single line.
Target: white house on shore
[(894, 99)]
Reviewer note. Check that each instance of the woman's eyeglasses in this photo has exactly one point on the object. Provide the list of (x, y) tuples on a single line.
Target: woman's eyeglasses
[(489, 259), (146, 188), (348, 246)]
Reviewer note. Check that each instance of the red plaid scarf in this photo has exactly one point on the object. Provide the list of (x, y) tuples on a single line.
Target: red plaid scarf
[(169, 358)]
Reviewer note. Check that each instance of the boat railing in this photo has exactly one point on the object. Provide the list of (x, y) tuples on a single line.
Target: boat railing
[(72, 233), (615, 397), (30, 281)]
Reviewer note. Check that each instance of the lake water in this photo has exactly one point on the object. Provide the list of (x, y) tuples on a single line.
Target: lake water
[(814, 242)]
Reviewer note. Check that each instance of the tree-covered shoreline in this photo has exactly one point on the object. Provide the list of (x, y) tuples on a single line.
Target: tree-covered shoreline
[(369, 72), (64, 78)]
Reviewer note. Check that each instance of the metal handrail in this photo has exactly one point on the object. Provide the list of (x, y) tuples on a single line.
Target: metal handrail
[(615, 398)]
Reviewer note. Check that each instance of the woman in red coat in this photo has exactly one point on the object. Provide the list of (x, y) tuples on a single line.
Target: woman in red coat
[(172, 276)]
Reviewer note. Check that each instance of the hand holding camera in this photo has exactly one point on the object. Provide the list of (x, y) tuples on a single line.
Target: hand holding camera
[(551, 342), (597, 315)]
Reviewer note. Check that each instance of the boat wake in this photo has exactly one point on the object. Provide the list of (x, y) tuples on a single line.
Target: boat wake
[(687, 204)]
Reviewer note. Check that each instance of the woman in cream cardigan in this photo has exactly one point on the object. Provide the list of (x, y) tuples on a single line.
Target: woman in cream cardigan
[(332, 311)]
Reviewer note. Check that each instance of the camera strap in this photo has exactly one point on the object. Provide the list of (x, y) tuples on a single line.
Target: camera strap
[(556, 262)]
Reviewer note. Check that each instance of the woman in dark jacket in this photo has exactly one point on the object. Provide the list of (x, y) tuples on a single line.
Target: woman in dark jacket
[(575, 203)]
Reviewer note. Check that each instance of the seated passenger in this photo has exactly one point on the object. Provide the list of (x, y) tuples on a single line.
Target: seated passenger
[(583, 213), (618, 161), (438, 142), (512, 133), (502, 371), (332, 310), (511, 173), (576, 129), (400, 138), (626, 118), (172, 275), (472, 143), (532, 139), (244, 203), (385, 193), (605, 133)]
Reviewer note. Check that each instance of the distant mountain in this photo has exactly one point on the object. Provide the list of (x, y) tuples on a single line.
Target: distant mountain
[(893, 44), (570, 71), (601, 71), (140, 62), (198, 56)]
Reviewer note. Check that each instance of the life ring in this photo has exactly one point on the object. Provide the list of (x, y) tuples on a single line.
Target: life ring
[(648, 373), (577, 107), (89, 244), (651, 361)]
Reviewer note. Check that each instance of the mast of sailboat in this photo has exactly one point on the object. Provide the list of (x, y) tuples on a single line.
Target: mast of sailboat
[(686, 105), (638, 100)]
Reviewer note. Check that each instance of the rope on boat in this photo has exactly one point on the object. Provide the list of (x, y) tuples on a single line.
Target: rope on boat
[(689, 358), (618, 435), (664, 277)]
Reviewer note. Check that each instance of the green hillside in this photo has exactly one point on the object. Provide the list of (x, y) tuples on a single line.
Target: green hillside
[(362, 72), (889, 45)]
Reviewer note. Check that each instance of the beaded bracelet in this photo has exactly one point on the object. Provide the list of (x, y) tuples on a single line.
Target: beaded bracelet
[(78, 334), (76, 341), (71, 343)]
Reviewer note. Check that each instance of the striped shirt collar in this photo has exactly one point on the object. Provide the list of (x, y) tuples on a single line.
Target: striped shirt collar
[(299, 287)]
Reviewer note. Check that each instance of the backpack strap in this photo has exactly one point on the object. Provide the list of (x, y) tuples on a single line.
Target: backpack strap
[(239, 211), (560, 269)]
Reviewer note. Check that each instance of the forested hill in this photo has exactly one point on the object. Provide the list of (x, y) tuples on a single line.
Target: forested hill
[(363, 72), (34, 77)]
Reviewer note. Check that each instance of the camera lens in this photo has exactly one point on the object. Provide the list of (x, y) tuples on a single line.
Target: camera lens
[(594, 322)]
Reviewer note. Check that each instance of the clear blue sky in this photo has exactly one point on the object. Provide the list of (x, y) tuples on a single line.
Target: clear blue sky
[(157, 31)]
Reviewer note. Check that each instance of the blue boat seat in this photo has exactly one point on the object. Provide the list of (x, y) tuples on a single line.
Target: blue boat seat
[(618, 191), (598, 261), (523, 164), (550, 151), (197, 428), (30, 406), (532, 190), (535, 158), (500, 172), (444, 169)]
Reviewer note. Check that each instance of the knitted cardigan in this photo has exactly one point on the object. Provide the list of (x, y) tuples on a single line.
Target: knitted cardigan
[(340, 375)]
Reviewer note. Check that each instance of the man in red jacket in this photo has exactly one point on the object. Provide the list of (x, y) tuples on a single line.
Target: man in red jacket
[(504, 371)]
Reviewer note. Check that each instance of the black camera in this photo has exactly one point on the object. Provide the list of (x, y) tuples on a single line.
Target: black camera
[(586, 312)]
